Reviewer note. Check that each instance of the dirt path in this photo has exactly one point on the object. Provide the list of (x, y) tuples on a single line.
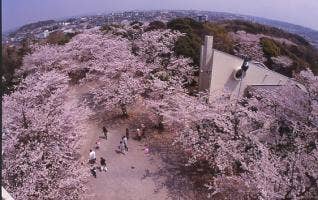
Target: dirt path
[(127, 177)]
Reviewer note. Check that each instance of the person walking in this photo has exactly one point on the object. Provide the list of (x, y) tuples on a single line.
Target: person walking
[(92, 156), (105, 131), (125, 141), (143, 130), (103, 164), (93, 171), (122, 147), (138, 134), (127, 133)]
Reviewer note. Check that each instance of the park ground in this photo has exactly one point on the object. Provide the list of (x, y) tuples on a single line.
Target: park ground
[(138, 175)]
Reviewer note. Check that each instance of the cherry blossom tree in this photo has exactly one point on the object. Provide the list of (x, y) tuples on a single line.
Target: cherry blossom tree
[(117, 92), (269, 145), (40, 160), (263, 145)]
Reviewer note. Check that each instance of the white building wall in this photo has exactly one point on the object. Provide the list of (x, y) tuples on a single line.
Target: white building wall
[(224, 67), (217, 71)]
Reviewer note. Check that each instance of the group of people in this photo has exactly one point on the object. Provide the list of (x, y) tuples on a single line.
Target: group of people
[(92, 161), (92, 157), (123, 147)]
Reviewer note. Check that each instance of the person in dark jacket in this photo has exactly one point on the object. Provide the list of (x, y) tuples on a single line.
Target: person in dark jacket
[(127, 133), (105, 131), (103, 164), (93, 171)]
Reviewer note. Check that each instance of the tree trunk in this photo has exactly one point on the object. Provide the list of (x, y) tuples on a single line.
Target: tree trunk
[(236, 122), (160, 122), (124, 110), (24, 120)]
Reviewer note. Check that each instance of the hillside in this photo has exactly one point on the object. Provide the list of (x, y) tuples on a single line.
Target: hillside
[(308, 33), (259, 146), (265, 44), (35, 25)]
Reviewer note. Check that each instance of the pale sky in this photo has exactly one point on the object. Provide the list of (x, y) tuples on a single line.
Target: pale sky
[(19, 12)]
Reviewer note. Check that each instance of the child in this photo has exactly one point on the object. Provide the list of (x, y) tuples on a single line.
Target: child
[(97, 145), (93, 171)]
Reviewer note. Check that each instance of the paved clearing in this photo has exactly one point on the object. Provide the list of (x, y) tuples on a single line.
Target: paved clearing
[(129, 177)]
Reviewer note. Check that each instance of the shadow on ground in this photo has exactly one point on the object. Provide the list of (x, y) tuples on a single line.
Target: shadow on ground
[(182, 182)]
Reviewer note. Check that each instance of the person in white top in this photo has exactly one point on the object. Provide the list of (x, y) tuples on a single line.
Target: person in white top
[(125, 140), (138, 134), (122, 147), (92, 156), (143, 129)]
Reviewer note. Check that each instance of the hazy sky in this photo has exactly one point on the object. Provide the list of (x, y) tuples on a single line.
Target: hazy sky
[(19, 12)]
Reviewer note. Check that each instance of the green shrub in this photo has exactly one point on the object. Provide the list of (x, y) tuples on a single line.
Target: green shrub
[(156, 25), (303, 56), (105, 28), (185, 25), (59, 38), (12, 60), (222, 41), (136, 23), (270, 48), (189, 46)]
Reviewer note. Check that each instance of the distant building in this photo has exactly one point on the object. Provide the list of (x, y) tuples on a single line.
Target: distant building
[(70, 30), (65, 23), (202, 18), (42, 35), (219, 71), (124, 22), (46, 33)]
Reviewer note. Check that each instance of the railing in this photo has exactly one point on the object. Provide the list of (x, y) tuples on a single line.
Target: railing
[(260, 64)]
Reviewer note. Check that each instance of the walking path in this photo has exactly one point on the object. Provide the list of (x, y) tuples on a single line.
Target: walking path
[(127, 177)]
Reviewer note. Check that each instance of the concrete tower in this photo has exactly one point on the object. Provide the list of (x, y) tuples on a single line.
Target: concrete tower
[(206, 61), (218, 72)]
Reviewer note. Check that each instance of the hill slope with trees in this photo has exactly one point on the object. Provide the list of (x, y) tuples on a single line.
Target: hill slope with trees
[(260, 146), (274, 42)]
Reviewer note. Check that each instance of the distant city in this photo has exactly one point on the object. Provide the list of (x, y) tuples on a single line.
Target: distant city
[(42, 29)]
